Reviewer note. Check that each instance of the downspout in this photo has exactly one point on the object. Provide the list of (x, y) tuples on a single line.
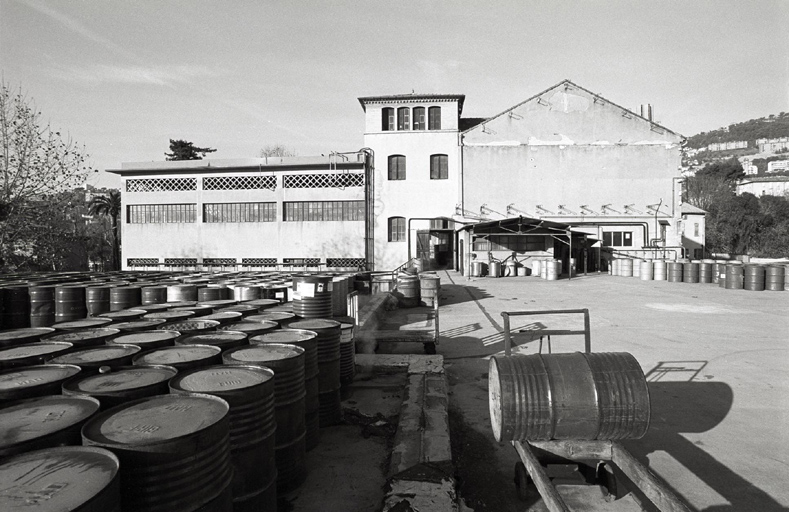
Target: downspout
[(369, 207)]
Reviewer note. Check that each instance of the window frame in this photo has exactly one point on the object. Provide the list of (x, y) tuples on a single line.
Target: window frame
[(439, 166), (434, 118), (419, 118), (403, 119), (396, 229), (396, 167), (388, 119)]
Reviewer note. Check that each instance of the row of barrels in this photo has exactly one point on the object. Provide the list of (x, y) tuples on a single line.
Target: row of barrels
[(732, 274), (145, 429), (411, 288)]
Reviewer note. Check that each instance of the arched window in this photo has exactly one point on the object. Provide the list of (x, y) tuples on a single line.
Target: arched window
[(434, 118), (397, 167), (419, 118), (397, 229), (387, 119), (439, 167), (403, 118)]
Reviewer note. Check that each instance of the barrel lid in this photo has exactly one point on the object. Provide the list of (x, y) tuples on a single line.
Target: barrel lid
[(32, 418), (120, 380), (40, 348), (261, 303), (182, 303), (170, 315), (152, 308), (154, 420), (197, 308), (262, 353), (24, 334), (56, 479), (223, 316), (242, 308), (248, 326), (96, 354), (219, 303), (126, 314), (284, 336), (221, 378), (188, 326), (76, 337), (315, 324), (218, 338), (137, 338), (84, 323), (139, 325), (37, 375), (270, 316), (176, 354)]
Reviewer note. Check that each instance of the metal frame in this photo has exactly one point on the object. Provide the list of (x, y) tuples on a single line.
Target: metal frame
[(548, 332)]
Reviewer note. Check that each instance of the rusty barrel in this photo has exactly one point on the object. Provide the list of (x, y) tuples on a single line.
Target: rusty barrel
[(68, 478), (13, 337), (31, 353), (42, 306), (43, 422), (309, 342), (568, 396), (312, 296), (249, 391), (70, 303), (122, 384), (181, 358), (328, 336), (174, 451), (774, 278), (37, 380), (287, 362), (92, 359)]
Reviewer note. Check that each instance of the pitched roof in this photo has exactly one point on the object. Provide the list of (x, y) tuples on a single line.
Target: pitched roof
[(689, 208)]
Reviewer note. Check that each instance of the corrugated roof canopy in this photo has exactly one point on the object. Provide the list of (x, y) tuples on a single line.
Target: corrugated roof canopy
[(522, 226)]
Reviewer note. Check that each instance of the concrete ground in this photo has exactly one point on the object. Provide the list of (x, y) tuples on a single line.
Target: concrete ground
[(717, 362)]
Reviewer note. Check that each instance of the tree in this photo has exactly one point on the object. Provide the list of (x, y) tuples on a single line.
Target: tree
[(110, 206), (727, 170), (276, 150), (703, 191), (37, 165), (183, 150), (737, 224)]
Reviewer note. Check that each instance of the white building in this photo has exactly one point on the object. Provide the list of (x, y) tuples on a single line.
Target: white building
[(771, 186)]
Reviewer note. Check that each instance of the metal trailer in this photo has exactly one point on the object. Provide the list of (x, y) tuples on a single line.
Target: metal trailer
[(603, 463)]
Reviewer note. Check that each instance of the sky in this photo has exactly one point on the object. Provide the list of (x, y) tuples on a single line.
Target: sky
[(122, 78)]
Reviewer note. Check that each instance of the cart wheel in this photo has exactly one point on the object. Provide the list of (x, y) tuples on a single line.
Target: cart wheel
[(523, 482), (607, 479), (430, 348)]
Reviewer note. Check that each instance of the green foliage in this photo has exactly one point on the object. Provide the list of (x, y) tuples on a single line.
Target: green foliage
[(746, 224), (183, 150), (771, 127), (727, 170), (109, 205), (276, 150)]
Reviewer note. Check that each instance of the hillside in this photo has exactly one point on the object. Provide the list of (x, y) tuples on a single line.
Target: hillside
[(771, 127)]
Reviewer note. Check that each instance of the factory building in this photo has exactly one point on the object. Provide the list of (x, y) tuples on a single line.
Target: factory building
[(604, 181)]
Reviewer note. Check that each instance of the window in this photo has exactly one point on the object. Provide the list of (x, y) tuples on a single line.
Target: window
[(441, 224), (240, 212), (419, 118), (439, 167), (397, 167), (387, 119), (160, 213), (434, 118), (403, 118), (618, 239), (397, 229), (517, 243), (695, 229), (299, 211)]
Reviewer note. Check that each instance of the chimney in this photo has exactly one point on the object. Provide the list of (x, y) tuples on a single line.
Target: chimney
[(646, 111)]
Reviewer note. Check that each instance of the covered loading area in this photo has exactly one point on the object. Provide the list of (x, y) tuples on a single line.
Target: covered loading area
[(516, 241)]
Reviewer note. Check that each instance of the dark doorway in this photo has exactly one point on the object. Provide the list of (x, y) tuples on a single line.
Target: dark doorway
[(435, 248)]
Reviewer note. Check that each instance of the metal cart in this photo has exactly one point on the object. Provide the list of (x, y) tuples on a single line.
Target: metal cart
[(600, 462)]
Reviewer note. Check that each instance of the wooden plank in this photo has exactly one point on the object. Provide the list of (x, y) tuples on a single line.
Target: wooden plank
[(648, 482), (576, 450), (548, 492)]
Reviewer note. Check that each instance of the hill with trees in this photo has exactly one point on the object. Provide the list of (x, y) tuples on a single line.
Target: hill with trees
[(770, 127)]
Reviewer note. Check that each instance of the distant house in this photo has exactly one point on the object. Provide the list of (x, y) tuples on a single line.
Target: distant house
[(777, 166), (772, 186)]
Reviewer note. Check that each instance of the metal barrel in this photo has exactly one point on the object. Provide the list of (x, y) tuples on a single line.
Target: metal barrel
[(552, 269), (174, 451), (774, 278), (347, 354), (153, 295), (211, 293), (660, 268), (262, 304), (43, 422), (124, 315), (277, 291), (199, 310), (281, 318), (181, 358), (706, 271), (647, 270), (72, 478), (734, 276), (42, 306), (121, 385), (721, 270), (690, 272), (181, 292), (328, 336), (287, 362), (223, 340), (308, 340), (675, 271), (249, 391), (718, 269), (753, 277), (140, 325), (86, 338), (239, 308), (429, 286), (13, 337), (32, 353), (70, 303), (407, 291), (626, 267), (312, 296), (224, 317), (339, 296), (15, 311), (243, 292), (218, 304), (568, 396), (189, 327), (92, 360), (637, 268), (82, 324), (146, 340), (383, 283), (37, 380), (169, 316), (250, 328), (97, 300), (153, 308)]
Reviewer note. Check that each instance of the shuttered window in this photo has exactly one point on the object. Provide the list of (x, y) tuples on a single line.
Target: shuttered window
[(397, 167), (439, 167)]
